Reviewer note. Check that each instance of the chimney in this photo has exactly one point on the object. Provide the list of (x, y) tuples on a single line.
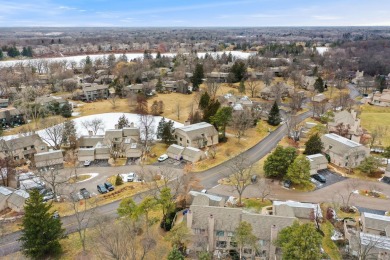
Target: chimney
[(211, 231), (131, 124), (90, 133), (116, 126), (187, 123), (272, 248)]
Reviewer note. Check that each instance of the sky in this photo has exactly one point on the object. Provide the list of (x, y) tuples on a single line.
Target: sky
[(193, 13)]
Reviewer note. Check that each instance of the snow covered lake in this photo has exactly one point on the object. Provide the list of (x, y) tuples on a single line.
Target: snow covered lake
[(130, 56), (109, 121)]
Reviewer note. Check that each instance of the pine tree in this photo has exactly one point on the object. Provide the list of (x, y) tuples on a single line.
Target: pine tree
[(274, 115), (241, 87), (204, 101), (299, 171), (69, 133), (118, 180), (313, 145), (29, 51), (165, 131), (41, 232), (159, 86), (319, 85), (210, 110), (123, 122), (197, 77), (277, 164), (66, 110), (1, 54), (175, 254), (24, 52)]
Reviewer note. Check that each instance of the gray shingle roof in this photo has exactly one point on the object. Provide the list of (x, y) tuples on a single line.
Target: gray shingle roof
[(195, 130), (47, 156)]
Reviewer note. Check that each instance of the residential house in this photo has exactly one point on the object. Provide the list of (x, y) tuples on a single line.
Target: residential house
[(17, 200), (344, 152), (5, 193), (196, 135), (10, 117), (175, 151), (190, 154), (381, 99), (23, 147), (375, 224), (122, 142), (95, 91), (221, 77), (346, 124), (296, 209), (318, 162), (4, 102), (50, 159), (47, 100), (133, 89), (308, 82), (272, 92), (363, 245), (319, 98), (214, 227), (200, 198)]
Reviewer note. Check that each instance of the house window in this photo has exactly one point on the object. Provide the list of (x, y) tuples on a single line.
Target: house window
[(16, 157), (220, 233), (25, 148), (181, 139), (346, 164), (188, 141), (32, 146), (42, 147), (230, 234), (261, 242), (221, 244), (197, 230), (233, 244)]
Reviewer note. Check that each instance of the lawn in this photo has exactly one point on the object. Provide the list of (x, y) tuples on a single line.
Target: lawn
[(327, 244), (80, 177), (255, 205), (373, 116), (232, 147), (156, 151), (103, 106)]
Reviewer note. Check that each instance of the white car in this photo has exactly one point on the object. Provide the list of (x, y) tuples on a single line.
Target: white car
[(162, 158), (87, 163), (129, 177)]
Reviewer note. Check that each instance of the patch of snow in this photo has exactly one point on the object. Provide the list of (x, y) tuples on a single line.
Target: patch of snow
[(109, 122), (355, 192), (75, 113)]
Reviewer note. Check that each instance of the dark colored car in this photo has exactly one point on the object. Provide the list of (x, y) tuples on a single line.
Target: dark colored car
[(84, 193), (319, 177), (101, 188), (56, 215), (109, 186), (287, 183)]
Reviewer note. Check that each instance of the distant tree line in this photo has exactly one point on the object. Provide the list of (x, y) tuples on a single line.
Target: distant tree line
[(14, 52)]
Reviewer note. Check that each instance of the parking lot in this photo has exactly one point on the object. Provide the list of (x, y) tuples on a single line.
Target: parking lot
[(331, 178)]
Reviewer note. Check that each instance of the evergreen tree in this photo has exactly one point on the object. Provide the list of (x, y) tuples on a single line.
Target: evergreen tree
[(274, 115), (118, 180), (69, 133), (24, 52), (313, 145), (244, 236), (204, 101), (370, 165), (299, 171), (300, 242), (278, 162), (197, 77), (123, 122), (239, 70), (1, 54), (159, 86), (119, 90), (29, 51), (13, 52), (211, 110), (222, 118), (88, 61), (54, 107), (158, 55), (319, 85), (241, 87), (175, 254), (41, 232), (66, 110), (165, 131)]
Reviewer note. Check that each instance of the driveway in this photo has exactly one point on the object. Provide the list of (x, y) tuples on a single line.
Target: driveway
[(331, 178)]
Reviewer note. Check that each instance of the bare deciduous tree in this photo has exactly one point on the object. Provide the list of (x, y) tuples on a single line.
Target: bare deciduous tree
[(253, 86), (241, 121), (212, 87), (268, 76), (53, 133), (55, 180), (146, 123), (113, 100), (94, 125), (240, 175)]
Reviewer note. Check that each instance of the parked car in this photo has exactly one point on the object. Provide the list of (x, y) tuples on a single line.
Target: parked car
[(76, 196), (129, 177), (287, 184), (87, 163), (109, 186), (254, 178), (101, 188), (204, 191), (56, 214), (162, 158), (319, 177), (84, 193)]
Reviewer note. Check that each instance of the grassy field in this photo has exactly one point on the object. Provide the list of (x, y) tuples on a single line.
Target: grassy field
[(373, 116), (255, 205)]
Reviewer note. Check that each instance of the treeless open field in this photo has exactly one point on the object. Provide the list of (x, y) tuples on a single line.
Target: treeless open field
[(373, 116)]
